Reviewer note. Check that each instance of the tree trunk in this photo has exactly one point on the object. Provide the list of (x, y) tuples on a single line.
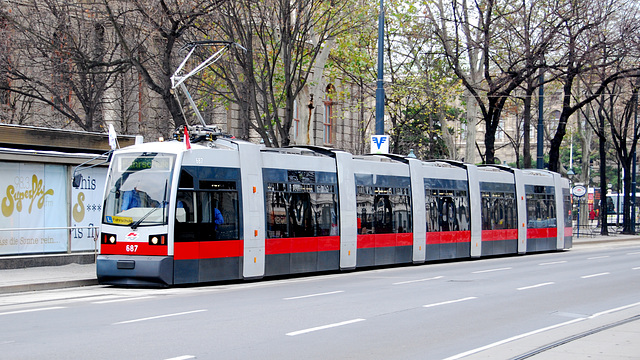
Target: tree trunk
[(604, 230), (472, 118), (526, 152)]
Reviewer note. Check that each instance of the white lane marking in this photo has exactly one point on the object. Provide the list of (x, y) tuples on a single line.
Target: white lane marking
[(553, 263), (183, 357), (501, 342), (535, 286), (122, 299), (636, 268), (32, 310), (449, 302), (491, 270), (594, 275), (634, 253), (313, 295), (299, 332), (415, 281), (614, 310), (598, 257), (158, 317)]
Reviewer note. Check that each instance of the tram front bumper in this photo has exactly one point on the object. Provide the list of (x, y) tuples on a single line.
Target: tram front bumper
[(135, 270)]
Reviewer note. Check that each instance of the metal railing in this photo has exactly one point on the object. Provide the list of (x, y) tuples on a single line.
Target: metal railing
[(69, 229)]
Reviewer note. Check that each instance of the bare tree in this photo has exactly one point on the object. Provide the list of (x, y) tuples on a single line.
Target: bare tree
[(592, 37), (619, 108), (150, 32), (61, 59), (492, 30), (287, 43)]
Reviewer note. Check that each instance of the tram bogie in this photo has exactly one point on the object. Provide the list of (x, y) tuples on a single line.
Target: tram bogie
[(228, 210)]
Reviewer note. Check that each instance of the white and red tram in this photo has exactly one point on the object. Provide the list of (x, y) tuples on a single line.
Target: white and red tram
[(227, 209)]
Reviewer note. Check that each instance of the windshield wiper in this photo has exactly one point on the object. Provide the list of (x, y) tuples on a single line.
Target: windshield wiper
[(161, 204), (138, 222)]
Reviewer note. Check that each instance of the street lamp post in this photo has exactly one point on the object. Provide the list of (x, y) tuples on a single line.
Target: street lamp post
[(380, 87), (633, 172)]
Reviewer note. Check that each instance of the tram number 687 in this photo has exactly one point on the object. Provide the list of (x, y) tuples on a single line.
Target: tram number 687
[(132, 248)]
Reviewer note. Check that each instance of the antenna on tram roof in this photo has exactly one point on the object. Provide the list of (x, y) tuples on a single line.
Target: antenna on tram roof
[(178, 80)]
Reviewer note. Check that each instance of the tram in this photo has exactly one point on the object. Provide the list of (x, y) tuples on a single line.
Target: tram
[(225, 209)]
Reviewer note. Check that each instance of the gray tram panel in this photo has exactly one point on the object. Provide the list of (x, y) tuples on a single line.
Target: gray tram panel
[(418, 211), (521, 201), (567, 241), (536, 177), (557, 179), (172, 202), (475, 206), (253, 205), (348, 216), (498, 175)]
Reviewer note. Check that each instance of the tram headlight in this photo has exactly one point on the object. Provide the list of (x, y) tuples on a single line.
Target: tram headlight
[(108, 239), (160, 239)]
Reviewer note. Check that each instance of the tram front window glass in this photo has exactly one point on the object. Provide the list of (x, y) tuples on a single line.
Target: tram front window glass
[(138, 189)]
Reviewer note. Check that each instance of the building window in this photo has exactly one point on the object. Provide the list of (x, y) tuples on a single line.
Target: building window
[(329, 115), (500, 131)]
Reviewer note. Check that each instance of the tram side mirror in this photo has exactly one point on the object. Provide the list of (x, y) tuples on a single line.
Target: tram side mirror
[(77, 180)]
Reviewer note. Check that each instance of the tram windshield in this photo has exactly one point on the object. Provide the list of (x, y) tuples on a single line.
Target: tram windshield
[(138, 189)]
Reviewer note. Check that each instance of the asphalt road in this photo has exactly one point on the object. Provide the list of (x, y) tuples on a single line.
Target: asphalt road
[(436, 311)]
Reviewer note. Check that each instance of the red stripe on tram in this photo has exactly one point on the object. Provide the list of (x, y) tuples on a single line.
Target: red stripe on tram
[(301, 245), (502, 234), (368, 241), (448, 237), (542, 233), (208, 249)]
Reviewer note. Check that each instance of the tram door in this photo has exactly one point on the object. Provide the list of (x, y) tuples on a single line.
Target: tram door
[(207, 245)]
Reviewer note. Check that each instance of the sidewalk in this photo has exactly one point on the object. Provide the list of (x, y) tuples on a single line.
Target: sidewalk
[(47, 278)]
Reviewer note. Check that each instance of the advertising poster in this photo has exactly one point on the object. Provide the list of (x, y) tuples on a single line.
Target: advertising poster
[(32, 197), (86, 208)]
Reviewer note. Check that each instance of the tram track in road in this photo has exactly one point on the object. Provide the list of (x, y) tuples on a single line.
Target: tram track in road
[(569, 339)]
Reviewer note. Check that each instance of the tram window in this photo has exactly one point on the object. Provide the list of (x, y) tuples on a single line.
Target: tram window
[(299, 214), (447, 210), (277, 203), (567, 208), (364, 203), (431, 207), (383, 212), (325, 214), (301, 209), (217, 185), (486, 210), (541, 212), (184, 207), (207, 215), (186, 180)]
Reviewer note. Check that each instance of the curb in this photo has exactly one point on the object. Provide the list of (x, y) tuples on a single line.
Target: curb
[(47, 286)]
